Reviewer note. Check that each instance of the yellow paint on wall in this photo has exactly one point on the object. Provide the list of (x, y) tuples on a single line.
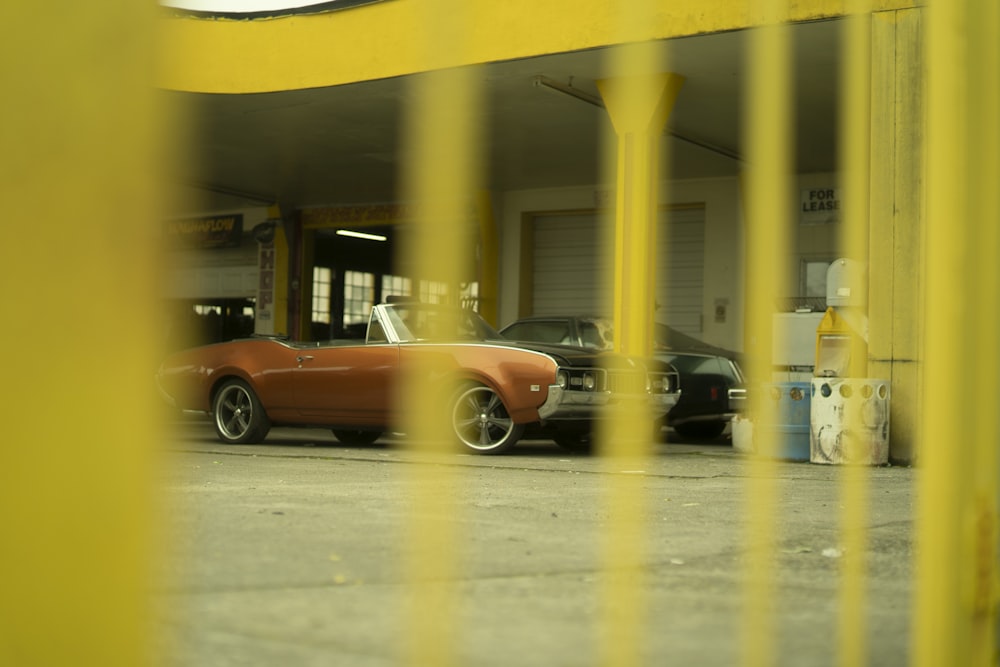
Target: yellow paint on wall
[(383, 40)]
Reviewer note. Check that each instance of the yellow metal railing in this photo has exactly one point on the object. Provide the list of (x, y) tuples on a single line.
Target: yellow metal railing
[(80, 184), (956, 564), (768, 120), (443, 167), (83, 162), (854, 152)]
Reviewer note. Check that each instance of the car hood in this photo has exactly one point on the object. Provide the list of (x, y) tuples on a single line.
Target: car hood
[(571, 355)]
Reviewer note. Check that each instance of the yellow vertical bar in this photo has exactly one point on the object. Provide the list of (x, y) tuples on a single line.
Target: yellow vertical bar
[(945, 520), (639, 96), (440, 179), (638, 105), (854, 151), (767, 123), (983, 46), (79, 181)]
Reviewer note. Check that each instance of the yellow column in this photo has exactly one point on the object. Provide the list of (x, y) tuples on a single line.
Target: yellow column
[(272, 291), (281, 269), (896, 217), (638, 107), (489, 247)]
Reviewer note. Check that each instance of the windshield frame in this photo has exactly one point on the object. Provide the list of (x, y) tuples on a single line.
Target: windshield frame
[(437, 323)]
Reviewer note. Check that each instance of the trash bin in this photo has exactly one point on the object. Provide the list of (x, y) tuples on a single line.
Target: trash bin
[(849, 421), (788, 436)]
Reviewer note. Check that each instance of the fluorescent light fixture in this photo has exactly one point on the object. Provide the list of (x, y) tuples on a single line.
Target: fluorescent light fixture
[(361, 235)]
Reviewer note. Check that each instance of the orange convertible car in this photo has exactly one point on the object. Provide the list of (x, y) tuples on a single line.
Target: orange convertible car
[(495, 388)]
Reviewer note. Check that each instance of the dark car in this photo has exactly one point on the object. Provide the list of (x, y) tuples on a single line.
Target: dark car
[(712, 383)]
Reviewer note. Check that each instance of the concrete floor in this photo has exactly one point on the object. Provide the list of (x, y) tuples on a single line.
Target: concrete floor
[(296, 553)]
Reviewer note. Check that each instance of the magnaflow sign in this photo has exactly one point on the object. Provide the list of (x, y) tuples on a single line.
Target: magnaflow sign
[(250, 9), (210, 232)]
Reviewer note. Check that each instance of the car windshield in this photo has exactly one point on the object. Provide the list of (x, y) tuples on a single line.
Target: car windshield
[(542, 331), (593, 333), (422, 321)]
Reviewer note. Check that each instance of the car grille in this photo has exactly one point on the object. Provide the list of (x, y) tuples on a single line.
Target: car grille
[(626, 383)]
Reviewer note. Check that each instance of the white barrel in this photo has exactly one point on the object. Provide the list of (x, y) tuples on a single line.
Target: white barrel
[(849, 421)]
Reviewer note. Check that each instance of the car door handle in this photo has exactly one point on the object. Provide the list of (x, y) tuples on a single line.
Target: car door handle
[(307, 357)]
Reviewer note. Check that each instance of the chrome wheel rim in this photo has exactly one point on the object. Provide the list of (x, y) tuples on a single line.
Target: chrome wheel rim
[(234, 412), (480, 419)]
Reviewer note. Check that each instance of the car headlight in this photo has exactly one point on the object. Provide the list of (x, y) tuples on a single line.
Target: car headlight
[(589, 382), (562, 379)]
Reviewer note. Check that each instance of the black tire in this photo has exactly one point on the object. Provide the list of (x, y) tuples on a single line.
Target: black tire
[(579, 442), (480, 421), (701, 430), (238, 414), (356, 437)]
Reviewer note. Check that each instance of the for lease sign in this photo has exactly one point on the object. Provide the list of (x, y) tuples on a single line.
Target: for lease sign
[(819, 206)]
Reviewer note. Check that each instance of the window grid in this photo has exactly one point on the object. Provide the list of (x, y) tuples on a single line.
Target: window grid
[(359, 296), (396, 286), (322, 281), (433, 291), (469, 296)]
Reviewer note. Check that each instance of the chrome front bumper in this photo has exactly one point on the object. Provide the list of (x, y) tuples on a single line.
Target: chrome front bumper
[(574, 404)]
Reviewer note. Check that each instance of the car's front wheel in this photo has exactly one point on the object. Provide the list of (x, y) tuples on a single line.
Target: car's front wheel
[(239, 415), (480, 420)]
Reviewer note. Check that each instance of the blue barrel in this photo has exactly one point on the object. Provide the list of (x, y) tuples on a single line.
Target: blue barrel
[(788, 437)]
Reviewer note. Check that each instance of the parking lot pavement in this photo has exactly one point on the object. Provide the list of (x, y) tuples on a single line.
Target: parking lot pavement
[(293, 552)]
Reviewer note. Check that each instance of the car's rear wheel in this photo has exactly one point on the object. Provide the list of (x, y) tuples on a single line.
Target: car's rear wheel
[(356, 437), (481, 422), (239, 415)]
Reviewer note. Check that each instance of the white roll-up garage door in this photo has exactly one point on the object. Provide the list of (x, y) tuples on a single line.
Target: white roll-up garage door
[(680, 272), (571, 276)]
